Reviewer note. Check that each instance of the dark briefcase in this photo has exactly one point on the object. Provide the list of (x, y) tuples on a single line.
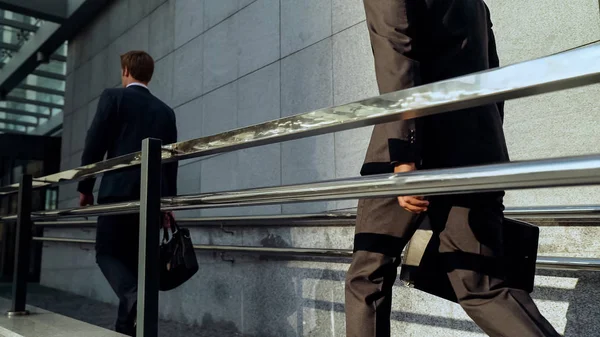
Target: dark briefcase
[(178, 261), (423, 269)]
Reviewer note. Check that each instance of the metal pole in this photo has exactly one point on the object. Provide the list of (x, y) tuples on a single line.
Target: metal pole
[(148, 271), (22, 249)]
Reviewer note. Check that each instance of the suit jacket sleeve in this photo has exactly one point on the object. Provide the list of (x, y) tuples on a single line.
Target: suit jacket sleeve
[(493, 58), (170, 169), (396, 68), (98, 138)]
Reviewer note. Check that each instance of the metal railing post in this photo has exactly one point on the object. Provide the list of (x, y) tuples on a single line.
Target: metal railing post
[(22, 248), (148, 256)]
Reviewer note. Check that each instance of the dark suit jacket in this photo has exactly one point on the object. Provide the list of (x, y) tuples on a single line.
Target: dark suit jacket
[(419, 42), (125, 117), (415, 43)]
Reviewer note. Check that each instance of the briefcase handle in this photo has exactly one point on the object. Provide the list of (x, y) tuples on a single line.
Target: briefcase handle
[(168, 216)]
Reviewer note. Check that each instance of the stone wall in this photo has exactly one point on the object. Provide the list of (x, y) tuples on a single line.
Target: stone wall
[(223, 64)]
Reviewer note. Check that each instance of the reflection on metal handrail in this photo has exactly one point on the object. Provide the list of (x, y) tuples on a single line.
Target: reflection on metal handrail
[(573, 171), (543, 262), (347, 218), (560, 71)]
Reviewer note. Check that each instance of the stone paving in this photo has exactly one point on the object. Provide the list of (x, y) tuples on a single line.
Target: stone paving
[(103, 314)]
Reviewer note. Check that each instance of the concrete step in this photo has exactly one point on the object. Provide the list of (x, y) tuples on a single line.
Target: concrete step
[(99, 313), (42, 323)]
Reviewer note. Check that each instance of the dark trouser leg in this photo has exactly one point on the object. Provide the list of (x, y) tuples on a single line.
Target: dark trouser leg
[(368, 299), (382, 231), (470, 243), (122, 276)]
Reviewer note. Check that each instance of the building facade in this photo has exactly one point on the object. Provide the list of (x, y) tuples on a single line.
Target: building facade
[(224, 64)]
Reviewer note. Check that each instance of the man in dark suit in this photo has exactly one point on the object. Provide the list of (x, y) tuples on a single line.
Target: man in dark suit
[(417, 42), (124, 118)]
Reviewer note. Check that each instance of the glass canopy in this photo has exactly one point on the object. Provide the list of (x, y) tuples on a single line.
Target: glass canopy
[(41, 94)]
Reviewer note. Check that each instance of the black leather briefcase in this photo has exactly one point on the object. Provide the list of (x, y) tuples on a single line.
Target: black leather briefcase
[(423, 269), (178, 261)]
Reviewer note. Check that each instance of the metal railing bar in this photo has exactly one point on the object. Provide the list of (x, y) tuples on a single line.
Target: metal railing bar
[(558, 172), (71, 223), (543, 262), (264, 220), (64, 240), (560, 71), (346, 253), (270, 219), (554, 213), (568, 263), (296, 252)]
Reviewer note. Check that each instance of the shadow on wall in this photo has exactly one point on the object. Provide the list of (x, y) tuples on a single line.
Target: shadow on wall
[(210, 327), (401, 316), (581, 315), (583, 309), (268, 297)]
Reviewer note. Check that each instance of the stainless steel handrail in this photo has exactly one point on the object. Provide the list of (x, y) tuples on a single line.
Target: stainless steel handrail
[(543, 262), (568, 263), (314, 252), (573, 171), (555, 212), (347, 218), (318, 219), (560, 71)]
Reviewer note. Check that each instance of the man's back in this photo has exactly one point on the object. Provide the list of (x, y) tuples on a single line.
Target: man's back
[(125, 117), (431, 41)]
